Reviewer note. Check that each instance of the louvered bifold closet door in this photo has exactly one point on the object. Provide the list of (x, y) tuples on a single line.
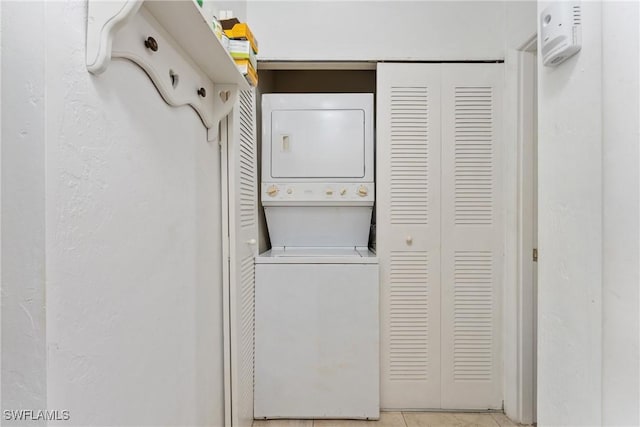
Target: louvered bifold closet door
[(472, 236), (408, 233), (243, 234)]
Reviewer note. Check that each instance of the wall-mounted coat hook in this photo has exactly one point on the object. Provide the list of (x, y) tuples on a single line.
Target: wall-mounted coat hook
[(115, 29), (151, 43)]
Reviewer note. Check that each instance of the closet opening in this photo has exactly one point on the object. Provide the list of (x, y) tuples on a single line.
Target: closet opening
[(464, 186)]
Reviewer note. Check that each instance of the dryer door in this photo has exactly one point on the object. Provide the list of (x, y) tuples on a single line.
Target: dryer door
[(318, 143)]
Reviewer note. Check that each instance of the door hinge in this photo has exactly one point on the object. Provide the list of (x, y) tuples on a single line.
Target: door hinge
[(535, 254)]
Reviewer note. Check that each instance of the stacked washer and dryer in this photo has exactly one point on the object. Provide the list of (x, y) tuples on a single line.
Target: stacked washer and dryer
[(316, 296)]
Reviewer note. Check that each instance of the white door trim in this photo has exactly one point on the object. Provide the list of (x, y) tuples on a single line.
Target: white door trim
[(519, 296), (242, 249), (226, 299)]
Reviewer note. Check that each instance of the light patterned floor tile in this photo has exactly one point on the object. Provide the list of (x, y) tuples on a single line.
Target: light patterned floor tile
[(387, 419), (443, 419), (406, 419), (283, 423), (503, 421)]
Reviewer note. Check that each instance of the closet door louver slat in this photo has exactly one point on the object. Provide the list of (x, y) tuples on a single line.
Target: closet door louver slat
[(248, 161), (242, 170), (473, 311), (409, 155), (473, 156), (409, 316)]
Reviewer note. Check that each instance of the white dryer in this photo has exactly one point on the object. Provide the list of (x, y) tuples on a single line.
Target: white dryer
[(316, 312)]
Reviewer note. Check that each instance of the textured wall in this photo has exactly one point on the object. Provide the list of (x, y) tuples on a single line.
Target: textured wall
[(570, 232), (621, 195), (23, 208), (588, 226), (129, 191), (386, 30)]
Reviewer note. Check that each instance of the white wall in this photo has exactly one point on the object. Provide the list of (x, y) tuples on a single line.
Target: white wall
[(238, 7), (621, 233), (520, 23), (23, 209), (588, 226), (378, 30), (129, 191), (570, 233)]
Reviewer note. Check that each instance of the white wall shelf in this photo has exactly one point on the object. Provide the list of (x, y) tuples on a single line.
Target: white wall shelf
[(173, 42)]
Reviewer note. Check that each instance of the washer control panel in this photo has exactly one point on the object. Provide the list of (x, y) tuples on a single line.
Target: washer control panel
[(318, 192)]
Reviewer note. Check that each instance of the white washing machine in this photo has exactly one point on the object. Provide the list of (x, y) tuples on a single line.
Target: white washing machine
[(316, 312)]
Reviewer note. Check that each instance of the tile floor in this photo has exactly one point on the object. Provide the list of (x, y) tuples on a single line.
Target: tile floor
[(404, 419)]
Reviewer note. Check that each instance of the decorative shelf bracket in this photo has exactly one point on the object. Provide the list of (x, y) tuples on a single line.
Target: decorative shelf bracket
[(104, 20), (224, 99), (176, 47)]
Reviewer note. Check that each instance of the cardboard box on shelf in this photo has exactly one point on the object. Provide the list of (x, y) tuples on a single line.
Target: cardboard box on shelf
[(225, 41), (241, 49), (217, 28), (235, 29), (245, 67)]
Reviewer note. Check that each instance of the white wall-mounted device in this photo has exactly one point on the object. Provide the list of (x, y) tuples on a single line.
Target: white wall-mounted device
[(560, 31)]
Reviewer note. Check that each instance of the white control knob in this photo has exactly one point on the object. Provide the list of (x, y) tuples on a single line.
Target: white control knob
[(251, 242), (272, 191), (343, 191), (363, 191), (329, 192), (289, 190), (409, 240)]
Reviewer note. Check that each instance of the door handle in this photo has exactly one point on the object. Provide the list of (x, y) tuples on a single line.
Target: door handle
[(286, 142), (251, 242)]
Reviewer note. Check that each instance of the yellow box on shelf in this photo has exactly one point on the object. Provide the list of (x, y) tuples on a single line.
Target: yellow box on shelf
[(240, 31), (245, 67), (241, 49)]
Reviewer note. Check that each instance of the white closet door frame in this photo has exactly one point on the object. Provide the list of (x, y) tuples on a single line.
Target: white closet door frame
[(242, 226), (520, 290), (226, 301)]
